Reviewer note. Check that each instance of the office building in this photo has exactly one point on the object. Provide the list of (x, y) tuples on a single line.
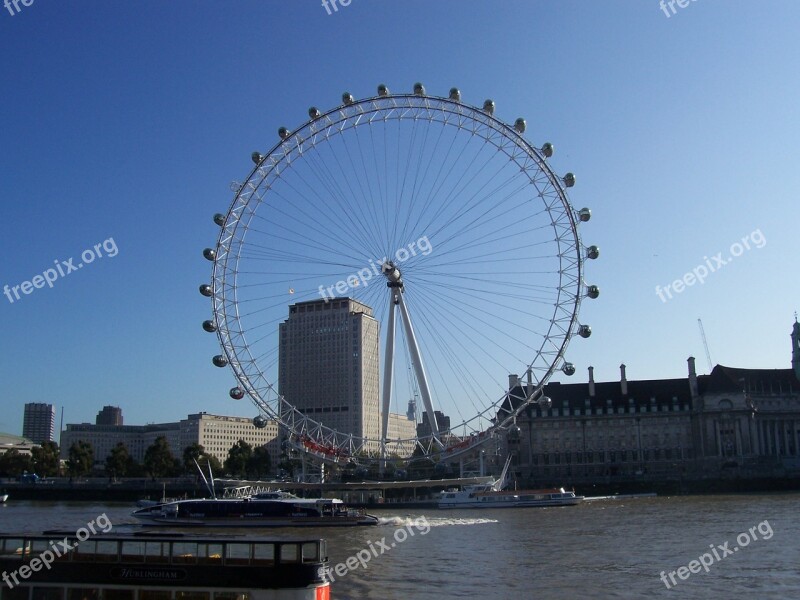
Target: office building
[(39, 422)]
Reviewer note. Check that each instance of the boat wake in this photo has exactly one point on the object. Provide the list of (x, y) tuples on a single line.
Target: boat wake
[(432, 521)]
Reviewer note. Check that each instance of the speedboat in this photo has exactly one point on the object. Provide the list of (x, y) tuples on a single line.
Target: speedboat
[(267, 509)]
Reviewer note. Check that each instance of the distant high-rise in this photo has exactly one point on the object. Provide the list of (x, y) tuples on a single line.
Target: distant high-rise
[(329, 364), (110, 415), (39, 422), (443, 421)]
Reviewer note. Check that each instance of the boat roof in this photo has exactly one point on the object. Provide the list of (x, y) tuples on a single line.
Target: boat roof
[(160, 535)]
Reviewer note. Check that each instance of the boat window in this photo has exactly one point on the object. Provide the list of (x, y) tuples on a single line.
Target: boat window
[(184, 553), (83, 594), (155, 595), (13, 547), (209, 554), (310, 552), (192, 596), (237, 554), (118, 594), (289, 553), (38, 546), (85, 549), (14, 594), (47, 593), (107, 551), (132, 551), (156, 552), (263, 554)]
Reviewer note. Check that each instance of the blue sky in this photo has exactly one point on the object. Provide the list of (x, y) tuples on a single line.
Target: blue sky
[(129, 121)]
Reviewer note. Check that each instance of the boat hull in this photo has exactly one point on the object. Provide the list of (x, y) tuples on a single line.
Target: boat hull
[(521, 504), (257, 522)]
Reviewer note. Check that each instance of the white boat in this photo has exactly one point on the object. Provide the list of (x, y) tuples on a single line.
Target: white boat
[(493, 495), (3, 498)]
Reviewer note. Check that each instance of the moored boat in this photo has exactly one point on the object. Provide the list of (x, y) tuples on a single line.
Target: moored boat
[(162, 566)]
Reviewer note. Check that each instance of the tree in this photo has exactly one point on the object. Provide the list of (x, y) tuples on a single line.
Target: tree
[(13, 463), (46, 459), (119, 463), (158, 459), (238, 457), (196, 452), (81, 458), (259, 463)]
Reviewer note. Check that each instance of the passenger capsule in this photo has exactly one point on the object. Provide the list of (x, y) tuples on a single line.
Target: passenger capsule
[(219, 219), (283, 133), (419, 89), (584, 214), (568, 368), (548, 149), (488, 107), (209, 254), (383, 90), (260, 421), (206, 290), (593, 252), (209, 326), (584, 331), (569, 180), (545, 402), (455, 94), (593, 291), (520, 125), (256, 157), (314, 113), (220, 361), (347, 98), (236, 393)]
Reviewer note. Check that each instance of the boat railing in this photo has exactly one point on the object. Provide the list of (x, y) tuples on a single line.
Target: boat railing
[(175, 549)]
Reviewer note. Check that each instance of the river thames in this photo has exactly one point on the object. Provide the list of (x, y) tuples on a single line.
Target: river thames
[(709, 546)]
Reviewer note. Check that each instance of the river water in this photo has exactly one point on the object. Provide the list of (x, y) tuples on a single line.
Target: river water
[(601, 549)]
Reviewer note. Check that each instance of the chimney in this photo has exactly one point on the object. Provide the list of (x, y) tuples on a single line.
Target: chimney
[(591, 382), (623, 380), (692, 378), (513, 381)]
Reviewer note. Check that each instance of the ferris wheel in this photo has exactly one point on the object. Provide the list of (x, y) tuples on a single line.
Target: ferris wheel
[(398, 257)]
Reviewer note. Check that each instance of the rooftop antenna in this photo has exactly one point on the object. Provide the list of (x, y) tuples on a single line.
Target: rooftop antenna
[(705, 345)]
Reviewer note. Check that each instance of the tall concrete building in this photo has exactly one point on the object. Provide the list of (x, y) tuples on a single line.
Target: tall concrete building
[(39, 422), (110, 415), (329, 364)]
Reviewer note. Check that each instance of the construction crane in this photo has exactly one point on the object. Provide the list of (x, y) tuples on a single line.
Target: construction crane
[(705, 345)]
